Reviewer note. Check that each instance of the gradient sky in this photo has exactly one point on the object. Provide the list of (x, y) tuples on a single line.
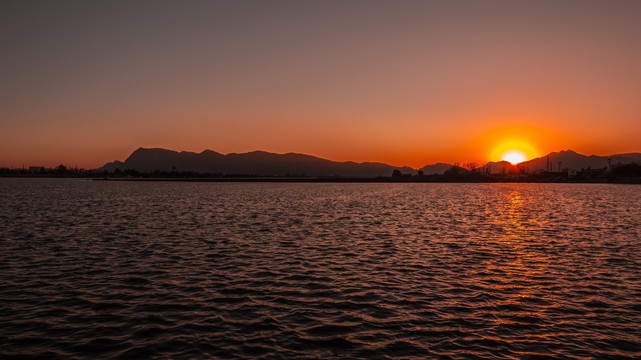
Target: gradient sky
[(402, 82)]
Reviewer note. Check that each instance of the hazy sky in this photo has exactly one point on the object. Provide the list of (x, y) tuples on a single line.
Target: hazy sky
[(403, 82)]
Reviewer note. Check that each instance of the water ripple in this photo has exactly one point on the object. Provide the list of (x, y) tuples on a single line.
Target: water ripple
[(270, 271)]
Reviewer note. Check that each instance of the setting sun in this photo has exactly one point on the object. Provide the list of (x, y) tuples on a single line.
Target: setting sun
[(513, 156), (514, 151)]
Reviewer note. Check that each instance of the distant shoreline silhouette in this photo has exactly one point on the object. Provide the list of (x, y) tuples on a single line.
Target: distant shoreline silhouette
[(260, 166)]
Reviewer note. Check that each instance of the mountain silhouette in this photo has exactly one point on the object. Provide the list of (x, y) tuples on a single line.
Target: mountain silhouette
[(258, 163), (435, 169), (575, 161), (569, 160), (261, 163)]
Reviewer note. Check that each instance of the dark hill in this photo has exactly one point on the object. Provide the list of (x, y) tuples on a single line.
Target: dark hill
[(436, 169), (575, 161), (258, 163), (569, 160)]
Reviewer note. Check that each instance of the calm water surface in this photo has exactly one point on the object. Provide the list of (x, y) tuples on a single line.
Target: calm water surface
[(93, 269)]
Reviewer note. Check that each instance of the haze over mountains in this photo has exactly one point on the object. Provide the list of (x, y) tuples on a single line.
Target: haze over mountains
[(263, 163)]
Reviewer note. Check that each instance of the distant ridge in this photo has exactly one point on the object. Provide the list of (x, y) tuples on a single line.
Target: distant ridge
[(258, 163), (435, 169), (569, 160), (261, 163)]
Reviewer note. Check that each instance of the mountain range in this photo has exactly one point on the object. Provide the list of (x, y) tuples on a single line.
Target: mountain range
[(263, 163), (252, 163), (567, 159)]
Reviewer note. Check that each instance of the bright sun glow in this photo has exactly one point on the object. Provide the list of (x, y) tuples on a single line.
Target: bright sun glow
[(514, 150), (513, 156)]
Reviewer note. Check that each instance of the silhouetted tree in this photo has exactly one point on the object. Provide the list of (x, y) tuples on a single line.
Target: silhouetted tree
[(627, 170), (471, 166), (455, 170), (396, 173)]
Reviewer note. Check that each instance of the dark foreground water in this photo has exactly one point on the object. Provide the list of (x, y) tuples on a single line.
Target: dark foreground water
[(93, 269)]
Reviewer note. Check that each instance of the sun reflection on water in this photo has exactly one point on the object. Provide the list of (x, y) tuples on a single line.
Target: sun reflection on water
[(516, 271)]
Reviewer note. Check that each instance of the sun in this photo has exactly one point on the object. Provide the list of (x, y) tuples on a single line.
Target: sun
[(514, 151), (513, 156)]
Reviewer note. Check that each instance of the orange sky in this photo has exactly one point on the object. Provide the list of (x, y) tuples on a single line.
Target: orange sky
[(406, 83)]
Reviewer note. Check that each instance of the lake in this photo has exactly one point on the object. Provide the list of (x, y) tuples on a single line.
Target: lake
[(109, 269)]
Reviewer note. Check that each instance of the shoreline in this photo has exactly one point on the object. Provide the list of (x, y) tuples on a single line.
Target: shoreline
[(401, 180), (373, 180)]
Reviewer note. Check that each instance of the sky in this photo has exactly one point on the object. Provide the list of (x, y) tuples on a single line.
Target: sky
[(402, 82)]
